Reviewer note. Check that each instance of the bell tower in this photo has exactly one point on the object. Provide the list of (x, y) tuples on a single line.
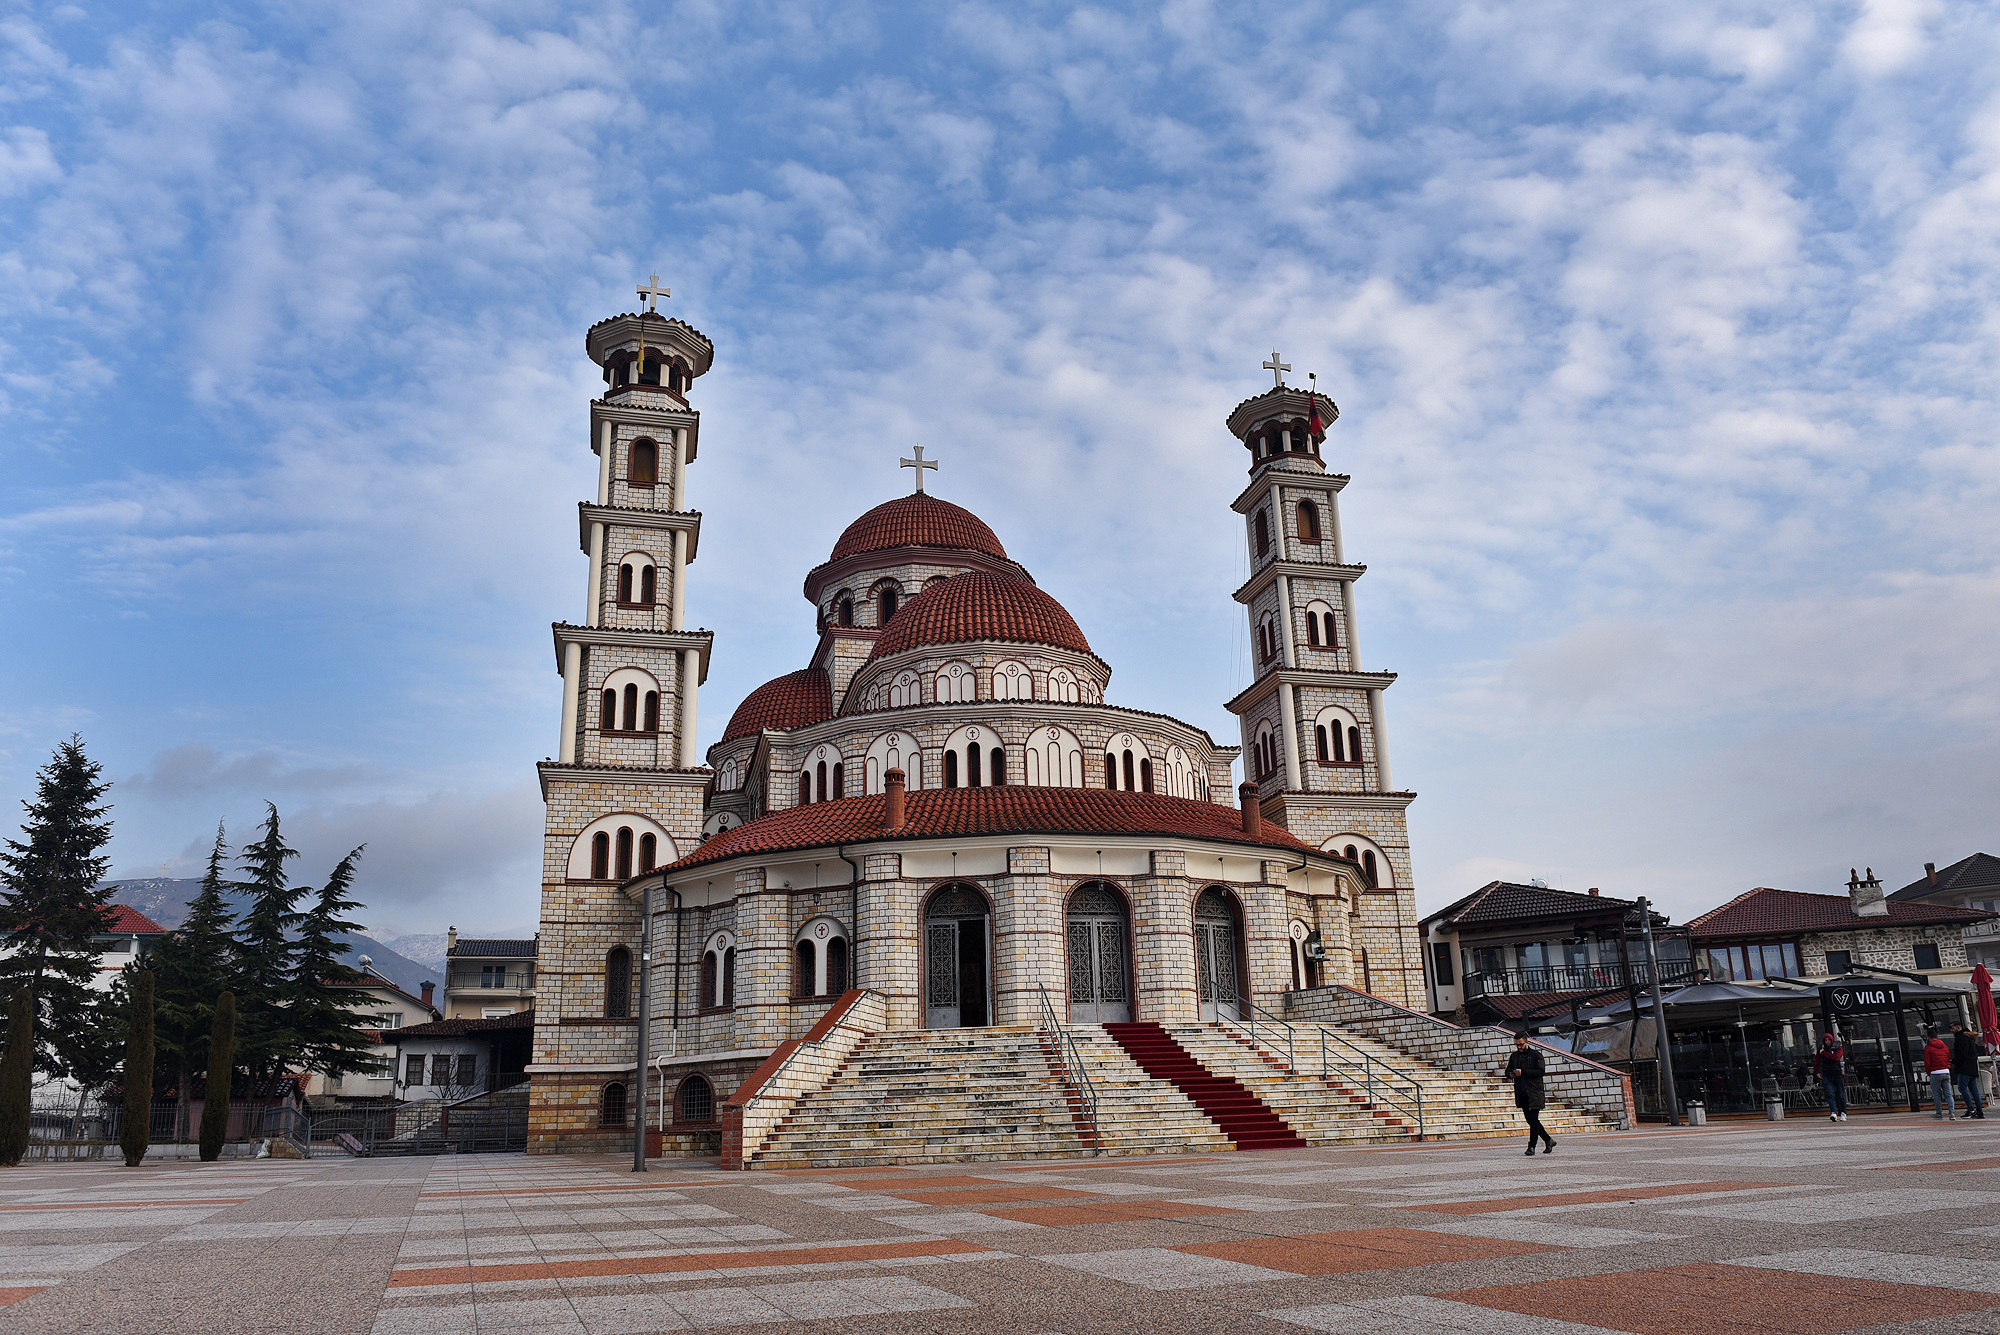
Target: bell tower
[(624, 793), (1315, 744)]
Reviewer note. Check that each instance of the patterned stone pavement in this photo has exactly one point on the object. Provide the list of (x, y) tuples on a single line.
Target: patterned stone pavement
[(1887, 1222)]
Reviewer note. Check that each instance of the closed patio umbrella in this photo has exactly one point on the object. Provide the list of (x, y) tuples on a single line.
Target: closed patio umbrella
[(1989, 1019)]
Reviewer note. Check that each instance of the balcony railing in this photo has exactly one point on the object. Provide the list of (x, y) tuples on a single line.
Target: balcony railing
[(1575, 978), (477, 981)]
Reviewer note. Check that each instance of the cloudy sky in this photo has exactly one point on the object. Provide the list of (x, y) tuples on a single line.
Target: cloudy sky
[(1664, 338)]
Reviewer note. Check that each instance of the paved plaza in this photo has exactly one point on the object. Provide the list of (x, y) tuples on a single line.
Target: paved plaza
[(1800, 1226)]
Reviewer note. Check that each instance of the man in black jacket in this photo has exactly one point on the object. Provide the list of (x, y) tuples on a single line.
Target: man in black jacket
[(1965, 1068), (1525, 1069)]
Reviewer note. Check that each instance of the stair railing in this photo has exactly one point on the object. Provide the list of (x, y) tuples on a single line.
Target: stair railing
[(1341, 1056), (1077, 1074)]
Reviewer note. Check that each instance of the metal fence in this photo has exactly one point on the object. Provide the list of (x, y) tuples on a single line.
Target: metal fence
[(73, 1124)]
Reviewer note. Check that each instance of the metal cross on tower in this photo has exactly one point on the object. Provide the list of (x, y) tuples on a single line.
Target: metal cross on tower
[(920, 464), (652, 292), (1277, 366)]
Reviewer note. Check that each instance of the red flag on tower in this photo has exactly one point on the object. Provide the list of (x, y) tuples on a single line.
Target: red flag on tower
[(1318, 427)]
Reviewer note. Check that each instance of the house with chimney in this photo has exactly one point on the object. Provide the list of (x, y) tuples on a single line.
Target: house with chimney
[(389, 1011), (486, 978), (1969, 883)]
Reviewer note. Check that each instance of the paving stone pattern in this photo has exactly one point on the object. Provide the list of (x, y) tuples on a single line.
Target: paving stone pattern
[(1883, 1223)]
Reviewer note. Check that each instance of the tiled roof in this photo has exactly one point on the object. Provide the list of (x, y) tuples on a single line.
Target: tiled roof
[(795, 700), (980, 606), (1981, 871), (1507, 901), (937, 813), (126, 920), (460, 1028), (1768, 912), (486, 947), (373, 984), (1514, 1005), (917, 520)]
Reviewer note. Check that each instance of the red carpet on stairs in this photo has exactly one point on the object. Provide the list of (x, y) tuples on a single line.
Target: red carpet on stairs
[(1227, 1102)]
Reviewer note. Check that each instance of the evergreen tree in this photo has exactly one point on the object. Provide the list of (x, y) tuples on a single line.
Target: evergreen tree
[(322, 1017), (221, 1079), (17, 1075), (191, 967), (267, 955), (52, 905), (137, 1132)]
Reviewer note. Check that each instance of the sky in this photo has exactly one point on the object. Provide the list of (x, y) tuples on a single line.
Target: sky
[(1663, 336)]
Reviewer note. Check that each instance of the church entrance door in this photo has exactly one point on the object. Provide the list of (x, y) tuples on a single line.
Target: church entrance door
[(1215, 956), (955, 960), (1098, 989)]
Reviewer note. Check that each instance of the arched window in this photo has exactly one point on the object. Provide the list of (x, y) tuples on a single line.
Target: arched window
[(906, 690), (710, 981), (805, 976), (612, 1112), (1146, 775), (1130, 786), (1369, 858), (805, 789), (694, 1101), (649, 852), (893, 750), (1319, 743), (631, 715), (607, 712), (1110, 770), (1368, 866), (1263, 533), (955, 684), (651, 722), (648, 585), (836, 965), (820, 952), (729, 976), (625, 583), (1338, 740), (600, 856), (1053, 758), (718, 971), (839, 780), (1180, 775), (1013, 681), (1266, 748), (887, 598), (1301, 437), (1063, 685), (1267, 637), (618, 983), (846, 612), (1320, 630), (1308, 521), (624, 852), (951, 768), (645, 466), (1353, 745)]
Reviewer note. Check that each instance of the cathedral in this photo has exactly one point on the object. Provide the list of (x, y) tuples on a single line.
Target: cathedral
[(939, 807)]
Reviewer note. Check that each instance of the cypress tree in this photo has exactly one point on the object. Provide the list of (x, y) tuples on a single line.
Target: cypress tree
[(192, 965), (321, 1013), (52, 904), (221, 1077), (17, 1073), (137, 1131), (266, 954)]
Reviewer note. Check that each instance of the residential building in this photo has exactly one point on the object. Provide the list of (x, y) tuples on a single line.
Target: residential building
[(486, 978), (1970, 883), (131, 935), (456, 1058), (390, 1009), (1508, 953)]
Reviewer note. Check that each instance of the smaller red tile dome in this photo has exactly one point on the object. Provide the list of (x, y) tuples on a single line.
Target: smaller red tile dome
[(795, 700), (917, 520), (980, 606)]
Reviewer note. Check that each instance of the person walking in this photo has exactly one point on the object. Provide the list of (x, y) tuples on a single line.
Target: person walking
[(1831, 1066), (1965, 1070), (1525, 1068), (1937, 1064)]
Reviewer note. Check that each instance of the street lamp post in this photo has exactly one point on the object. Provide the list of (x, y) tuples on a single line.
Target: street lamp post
[(1669, 1095)]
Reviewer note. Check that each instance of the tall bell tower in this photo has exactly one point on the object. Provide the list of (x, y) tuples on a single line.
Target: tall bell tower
[(1315, 744), (624, 793)]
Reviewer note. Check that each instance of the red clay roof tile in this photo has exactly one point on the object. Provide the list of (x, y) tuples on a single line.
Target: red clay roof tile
[(917, 520), (980, 606), (795, 700), (1768, 912), (125, 918)]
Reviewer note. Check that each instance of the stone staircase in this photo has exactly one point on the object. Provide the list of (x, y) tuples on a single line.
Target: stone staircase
[(1240, 1114), (1136, 1113)]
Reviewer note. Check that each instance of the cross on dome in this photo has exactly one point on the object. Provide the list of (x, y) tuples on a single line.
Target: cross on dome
[(920, 464), (652, 292), (1277, 366)]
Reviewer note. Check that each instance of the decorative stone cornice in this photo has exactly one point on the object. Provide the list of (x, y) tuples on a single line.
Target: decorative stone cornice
[(1247, 499), (1254, 694), (642, 415), (546, 770), (633, 638), (1268, 576), (1286, 401), (877, 669), (628, 516), (659, 331), (962, 558)]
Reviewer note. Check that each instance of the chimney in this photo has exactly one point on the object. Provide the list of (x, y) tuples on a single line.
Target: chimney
[(892, 814), (1865, 896), (1253, 819), (450, 939), (1930, 874), (428, 988), (1593, 892)]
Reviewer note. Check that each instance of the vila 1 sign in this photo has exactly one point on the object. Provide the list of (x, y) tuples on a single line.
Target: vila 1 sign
[(1860, 998)]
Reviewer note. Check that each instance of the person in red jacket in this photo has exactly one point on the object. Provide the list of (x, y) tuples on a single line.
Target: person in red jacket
[(1937, 1065), (1832, 1065)]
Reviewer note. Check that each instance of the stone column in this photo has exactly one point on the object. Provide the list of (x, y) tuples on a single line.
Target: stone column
[(1163, 941), (1027, 940)]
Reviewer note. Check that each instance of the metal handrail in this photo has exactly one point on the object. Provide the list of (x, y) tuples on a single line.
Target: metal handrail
[(1383, 1083), (1072, 1059)]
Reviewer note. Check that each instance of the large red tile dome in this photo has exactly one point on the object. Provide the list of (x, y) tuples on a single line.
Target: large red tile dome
[(795, 700), (980, 606), (917, 520)]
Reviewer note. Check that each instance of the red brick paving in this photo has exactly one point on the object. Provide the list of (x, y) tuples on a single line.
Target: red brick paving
[(15, 1295), (1362, 1249), (1607, 1197), (993, 1195), (1109, 1212), (669, 1265)]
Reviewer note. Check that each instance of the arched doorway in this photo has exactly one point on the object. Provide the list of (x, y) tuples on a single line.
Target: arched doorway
[(955, 959), (1100, 991), (1216, 942)]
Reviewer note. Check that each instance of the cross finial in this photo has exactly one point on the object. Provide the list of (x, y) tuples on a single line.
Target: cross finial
[(920, 464), (652, 292), (1277, 366)]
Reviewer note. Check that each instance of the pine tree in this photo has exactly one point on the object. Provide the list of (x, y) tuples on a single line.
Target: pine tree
[(17, 1075), (137, 1132), (221, 1079), (267, 955), (191, 966), (52, 904), (321, 1011)]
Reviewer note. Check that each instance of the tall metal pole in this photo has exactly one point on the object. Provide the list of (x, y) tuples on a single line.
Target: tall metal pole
[(1669, 1095), (645, 1024)]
